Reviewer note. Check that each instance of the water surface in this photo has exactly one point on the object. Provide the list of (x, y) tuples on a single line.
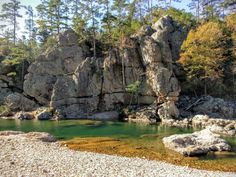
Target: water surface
[(126, 139)]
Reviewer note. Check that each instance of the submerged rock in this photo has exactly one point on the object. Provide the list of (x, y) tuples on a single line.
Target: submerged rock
[(197, 143)]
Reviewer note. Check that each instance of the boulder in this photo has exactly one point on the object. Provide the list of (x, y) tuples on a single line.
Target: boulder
[(146, 115), (44, 114), (168, 110), (17, 101), (197, 143), (24, 115)]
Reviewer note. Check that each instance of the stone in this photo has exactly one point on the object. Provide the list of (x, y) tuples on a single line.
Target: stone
[(104, 116), (44, 114), (146, 115), (24, 115), (42, 136), (168, 110), (214, 107), (17, 101), (197, 143)]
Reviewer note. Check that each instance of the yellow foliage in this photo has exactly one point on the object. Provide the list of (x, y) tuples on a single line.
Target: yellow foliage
[(204, 51)]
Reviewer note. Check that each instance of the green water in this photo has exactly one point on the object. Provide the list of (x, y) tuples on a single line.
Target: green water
[(68, 129), (148, 137)]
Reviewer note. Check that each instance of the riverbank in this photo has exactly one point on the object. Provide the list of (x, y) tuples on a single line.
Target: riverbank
[(32, 155)]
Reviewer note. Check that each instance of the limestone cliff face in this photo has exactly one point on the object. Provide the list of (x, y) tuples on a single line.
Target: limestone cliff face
[(76, 85)]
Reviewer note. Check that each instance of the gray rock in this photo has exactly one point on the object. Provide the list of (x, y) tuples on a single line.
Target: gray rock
[(77, 86), (24, 115), (197, 143), (214, 107), (145, 115), (168, 110), (17, 101), (44, 114)]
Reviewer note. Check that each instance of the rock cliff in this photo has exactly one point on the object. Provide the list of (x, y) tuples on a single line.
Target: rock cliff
[(75, 85)]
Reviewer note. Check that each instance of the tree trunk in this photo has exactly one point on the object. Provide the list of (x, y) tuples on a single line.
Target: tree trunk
[(94, 32), (14, 29)]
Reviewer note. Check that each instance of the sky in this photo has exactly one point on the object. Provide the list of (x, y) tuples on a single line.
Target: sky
[(34, 3)]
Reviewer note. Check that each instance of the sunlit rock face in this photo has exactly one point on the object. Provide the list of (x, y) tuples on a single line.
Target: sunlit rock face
[(68, 79)]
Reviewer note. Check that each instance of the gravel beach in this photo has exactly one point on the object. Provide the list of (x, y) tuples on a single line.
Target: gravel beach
[(34, 154)]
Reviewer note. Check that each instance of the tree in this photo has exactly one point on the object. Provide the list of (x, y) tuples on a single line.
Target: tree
[(43, 22), (10, 13), (107, 20), (196, 5), (53, 17), (134, 90), (29, 22), (120, 8), (91, 9), (204, 53), (57, 11)]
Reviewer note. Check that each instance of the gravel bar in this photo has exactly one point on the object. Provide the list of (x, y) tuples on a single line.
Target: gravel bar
[(22, 155)]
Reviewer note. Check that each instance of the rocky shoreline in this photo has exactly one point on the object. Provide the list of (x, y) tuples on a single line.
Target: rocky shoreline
[(37, 154)]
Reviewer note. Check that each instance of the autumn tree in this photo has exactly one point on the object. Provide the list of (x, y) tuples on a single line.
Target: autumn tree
[(204, 54)]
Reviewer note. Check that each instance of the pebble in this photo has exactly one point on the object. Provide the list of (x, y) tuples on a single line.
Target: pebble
[(37, 158)]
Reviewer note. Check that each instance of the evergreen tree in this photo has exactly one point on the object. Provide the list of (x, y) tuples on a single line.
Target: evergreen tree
[(120, 9), (91, 14), (57, 11), (10, 13), (44, 22), (107, 21), (29, 22)]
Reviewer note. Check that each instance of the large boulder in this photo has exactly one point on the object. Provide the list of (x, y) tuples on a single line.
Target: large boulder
[(197, 143), (17, 101)]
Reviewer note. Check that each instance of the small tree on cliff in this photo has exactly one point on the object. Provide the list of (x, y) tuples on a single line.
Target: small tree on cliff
[(134, 90), (204, 53)]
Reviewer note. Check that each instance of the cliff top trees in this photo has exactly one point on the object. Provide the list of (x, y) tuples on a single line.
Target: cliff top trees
[(204, 54), (10, 13)]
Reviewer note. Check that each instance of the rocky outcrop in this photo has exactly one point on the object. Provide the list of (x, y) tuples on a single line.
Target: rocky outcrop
[(76, 85), (17, 101), (197, 143), (206, 105)]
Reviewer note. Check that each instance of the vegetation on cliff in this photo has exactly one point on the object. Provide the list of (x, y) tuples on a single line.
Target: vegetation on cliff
[(208, 54)]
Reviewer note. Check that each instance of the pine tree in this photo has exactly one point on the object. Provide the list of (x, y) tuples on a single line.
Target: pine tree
[(29, 22), (44, 21), (91, 14), (107, 20), (57, 12), (10, 13)]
